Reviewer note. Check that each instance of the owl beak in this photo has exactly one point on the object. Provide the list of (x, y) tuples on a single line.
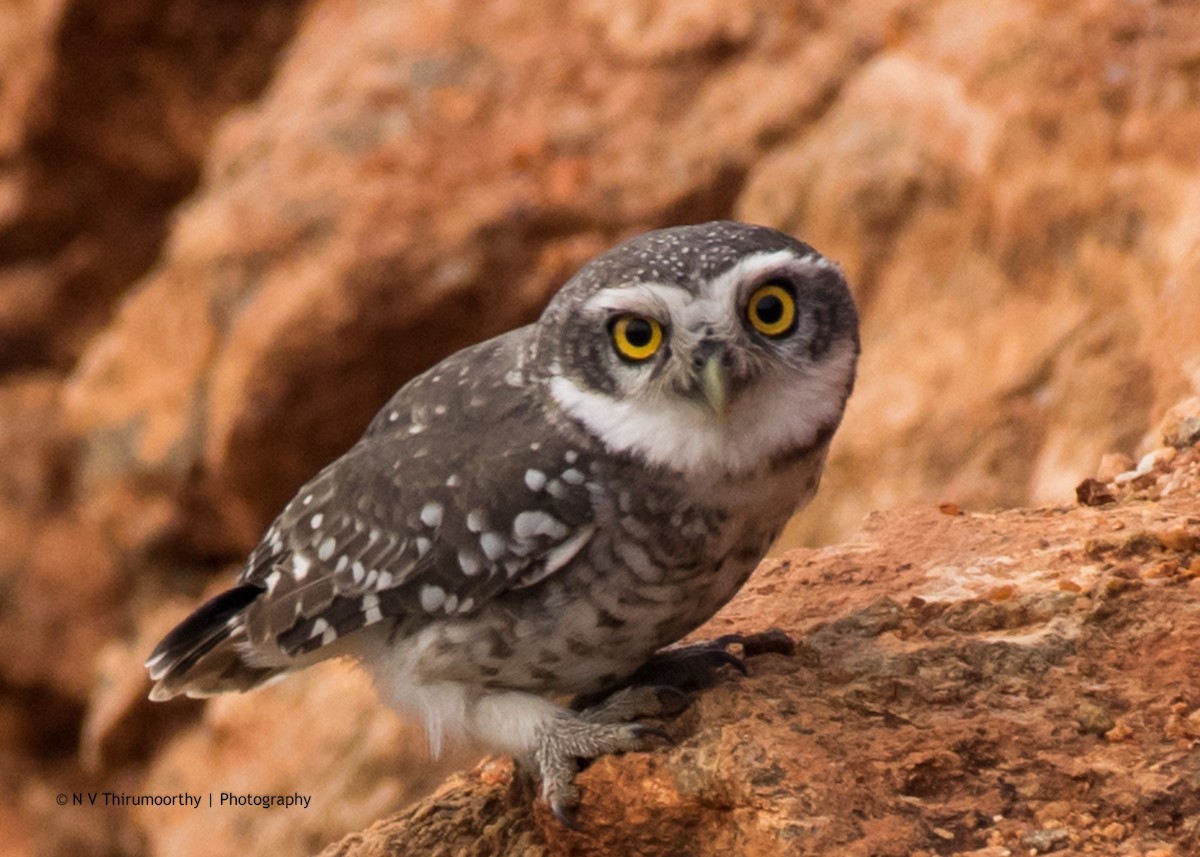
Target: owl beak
[(714, 384)]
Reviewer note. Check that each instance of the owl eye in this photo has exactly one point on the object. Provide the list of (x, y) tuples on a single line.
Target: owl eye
[(636, 337), (772, 310)]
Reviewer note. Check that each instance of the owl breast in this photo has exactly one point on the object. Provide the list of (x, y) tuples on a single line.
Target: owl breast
[(656, 568)]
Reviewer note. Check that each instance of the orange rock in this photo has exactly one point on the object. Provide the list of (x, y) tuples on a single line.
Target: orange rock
[(884, 722), (228, 233)]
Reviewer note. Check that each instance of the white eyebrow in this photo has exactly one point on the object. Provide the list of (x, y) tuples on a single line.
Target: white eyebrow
[(752, 267), (656, 300)]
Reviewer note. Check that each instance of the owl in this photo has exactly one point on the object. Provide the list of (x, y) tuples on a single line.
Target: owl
[(538, 515)]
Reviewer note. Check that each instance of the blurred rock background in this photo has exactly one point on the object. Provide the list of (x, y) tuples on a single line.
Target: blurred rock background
[(228, 231)]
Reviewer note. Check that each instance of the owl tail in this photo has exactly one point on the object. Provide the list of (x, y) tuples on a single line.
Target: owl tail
[(201, 657)]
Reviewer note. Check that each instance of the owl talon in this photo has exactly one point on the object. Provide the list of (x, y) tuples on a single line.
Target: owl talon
[(671, 700), (696, 666), (643, 732)]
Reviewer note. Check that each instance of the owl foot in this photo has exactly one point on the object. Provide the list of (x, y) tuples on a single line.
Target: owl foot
[(658, 689), (697, 666), (560, 744)]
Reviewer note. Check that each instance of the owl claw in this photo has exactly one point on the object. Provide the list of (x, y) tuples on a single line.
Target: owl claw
[(642, 731), (671, 700), (696, 666)]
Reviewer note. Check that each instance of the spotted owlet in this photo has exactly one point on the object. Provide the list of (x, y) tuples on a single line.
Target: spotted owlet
[(537, 515)]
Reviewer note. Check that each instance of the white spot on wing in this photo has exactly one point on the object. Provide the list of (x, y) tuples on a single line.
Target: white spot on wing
[(431, 514), (535, 480), (272, 580), (325, 551), (529, 525), (564, 553), (493, 545), (469, 563), (432, 598), (300, 566), (560, 555), (316, 521), (370, 608)]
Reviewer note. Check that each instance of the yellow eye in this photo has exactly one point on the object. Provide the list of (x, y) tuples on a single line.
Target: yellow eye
[(636, 337), (771, 310)]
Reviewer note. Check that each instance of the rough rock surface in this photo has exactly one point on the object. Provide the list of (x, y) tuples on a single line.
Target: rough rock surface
[(419, 177), (105, 113), (229, 230), (966, 683)]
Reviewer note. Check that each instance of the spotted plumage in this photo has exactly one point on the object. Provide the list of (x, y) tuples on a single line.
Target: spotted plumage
[(538, 514)]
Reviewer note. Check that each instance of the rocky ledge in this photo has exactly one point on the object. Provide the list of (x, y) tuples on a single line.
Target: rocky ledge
[(965, 684)]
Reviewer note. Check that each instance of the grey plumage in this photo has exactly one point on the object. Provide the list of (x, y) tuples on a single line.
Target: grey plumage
[(539, 513)]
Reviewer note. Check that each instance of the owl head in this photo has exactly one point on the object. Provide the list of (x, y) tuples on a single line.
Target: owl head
[(718, 347)]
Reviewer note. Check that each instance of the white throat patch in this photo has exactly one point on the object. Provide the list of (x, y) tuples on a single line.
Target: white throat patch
[(683, 436)]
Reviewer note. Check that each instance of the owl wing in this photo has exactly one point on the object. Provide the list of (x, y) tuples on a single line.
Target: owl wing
[(461, 489)]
